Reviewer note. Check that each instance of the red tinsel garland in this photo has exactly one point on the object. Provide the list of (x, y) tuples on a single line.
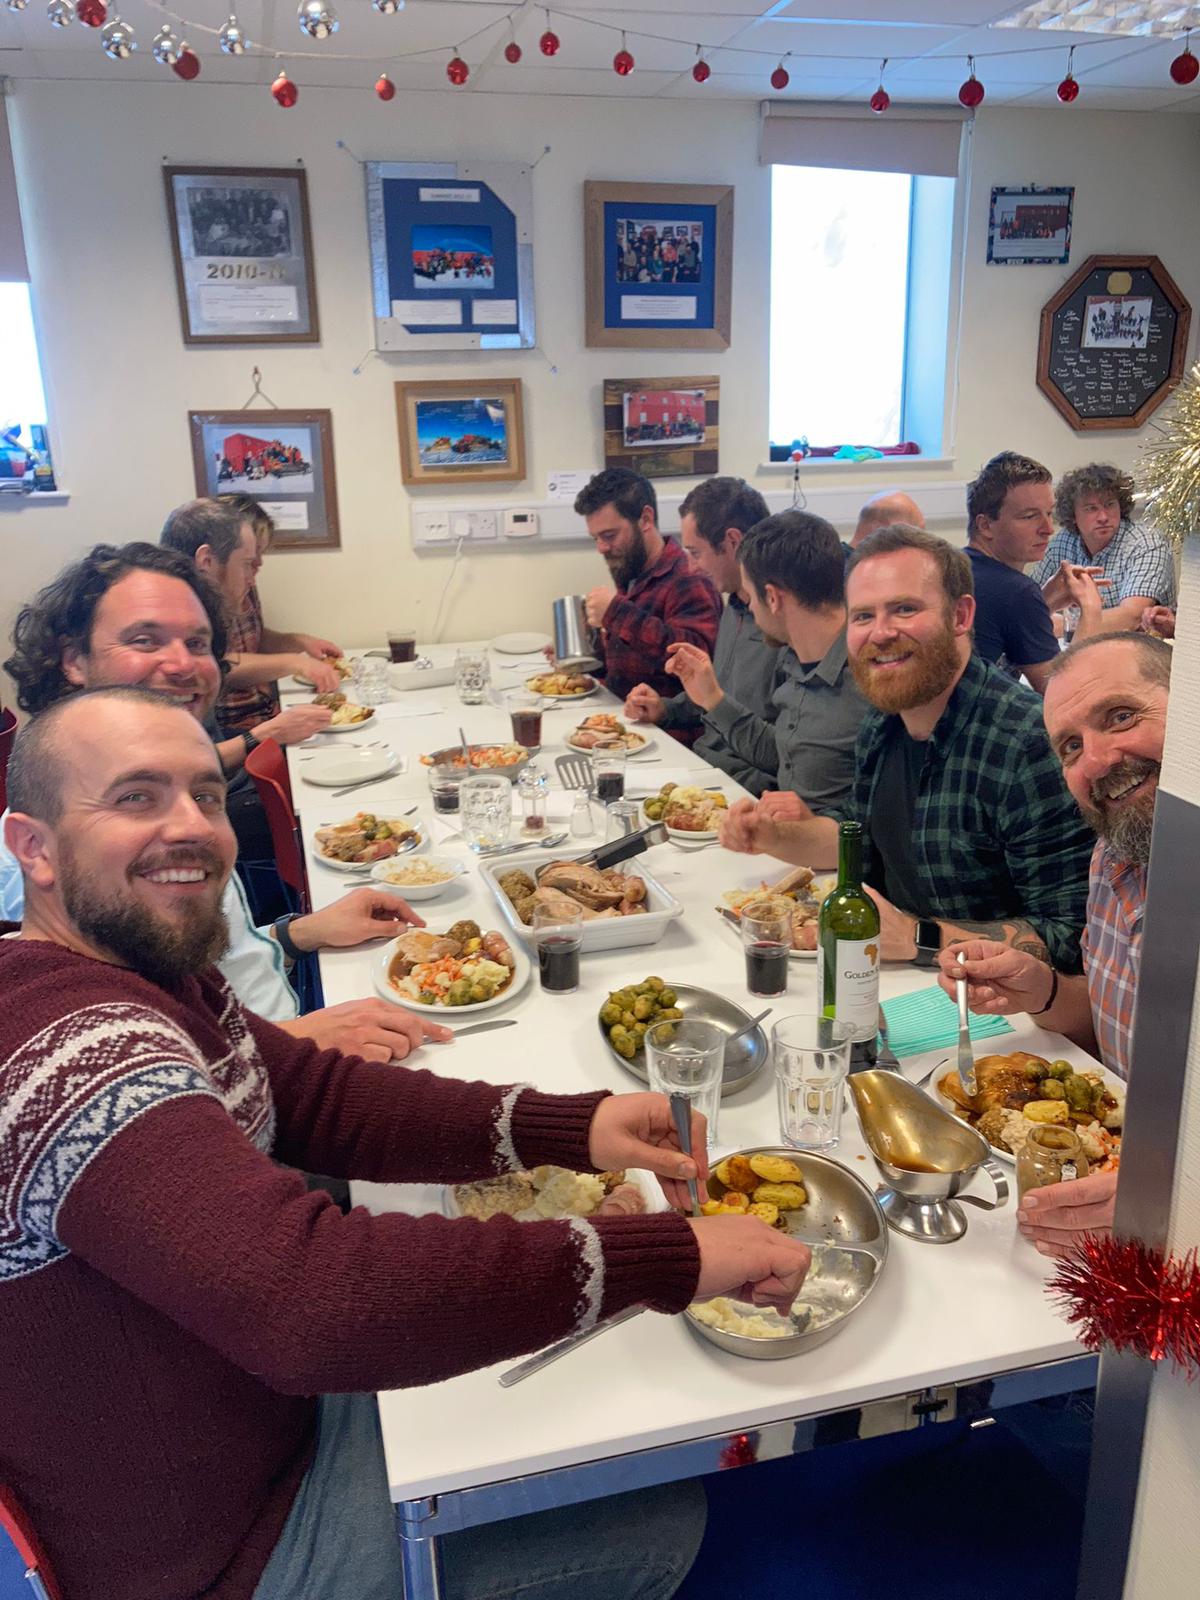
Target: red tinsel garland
[(1123, 1293)]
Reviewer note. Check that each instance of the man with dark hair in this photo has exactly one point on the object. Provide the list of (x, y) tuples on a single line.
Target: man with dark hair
[(222, 537), (885, 510), (792, 570), (1132, 567), (1009, 522), (1106, 715), (713, 520), (968, 828), (657, 600), (190, 1343)]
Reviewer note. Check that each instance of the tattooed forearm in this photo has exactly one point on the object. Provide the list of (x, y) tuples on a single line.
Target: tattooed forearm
[(1015, 931)]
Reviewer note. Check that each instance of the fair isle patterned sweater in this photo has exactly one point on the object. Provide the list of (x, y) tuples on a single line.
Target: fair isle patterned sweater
[(171, 1299)]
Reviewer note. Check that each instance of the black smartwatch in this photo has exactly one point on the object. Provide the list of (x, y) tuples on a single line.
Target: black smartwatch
[(251, 743), (283, 937), (929, 943)]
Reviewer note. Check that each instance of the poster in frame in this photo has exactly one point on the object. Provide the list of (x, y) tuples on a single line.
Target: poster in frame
[(663, 427), (461, 430), (1030, 226), (658, 265), (451, 255), (284, 459), (242, 246)]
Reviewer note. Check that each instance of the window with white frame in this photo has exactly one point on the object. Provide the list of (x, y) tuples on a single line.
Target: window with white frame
[(24, 446)]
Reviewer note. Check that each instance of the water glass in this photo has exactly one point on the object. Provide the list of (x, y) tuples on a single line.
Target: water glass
[(485, 804), (558, 935), (687, 1057), (811, 1057), (472, 676), (608, 771), (767, 941), (624, 817), (371, 681)]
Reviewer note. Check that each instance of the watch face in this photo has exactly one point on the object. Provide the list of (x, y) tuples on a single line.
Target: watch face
[(929, 935)]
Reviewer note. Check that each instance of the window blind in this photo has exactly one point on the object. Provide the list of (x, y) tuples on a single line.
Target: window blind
[(922, 142), (13, 266)]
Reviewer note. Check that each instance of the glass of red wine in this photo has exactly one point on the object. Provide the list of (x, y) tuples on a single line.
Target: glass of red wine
[(525, 709), (402, 644), (558, 935), (608, 771), (767, 942)]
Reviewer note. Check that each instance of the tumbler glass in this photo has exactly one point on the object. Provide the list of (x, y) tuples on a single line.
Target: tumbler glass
[(371, 681), (525, 710), (767, 941), (608, 769), (811, 1057), (402, 644), (472, 676), (558, 936), (485, 804), (687, 1057)]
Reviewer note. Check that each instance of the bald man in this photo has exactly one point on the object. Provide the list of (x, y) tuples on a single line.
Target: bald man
[(885, 510)]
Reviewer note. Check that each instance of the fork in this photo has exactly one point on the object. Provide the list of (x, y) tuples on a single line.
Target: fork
[(887, 1056)]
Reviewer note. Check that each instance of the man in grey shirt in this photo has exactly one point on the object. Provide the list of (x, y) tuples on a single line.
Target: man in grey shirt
[(792, 572), (713, 520)]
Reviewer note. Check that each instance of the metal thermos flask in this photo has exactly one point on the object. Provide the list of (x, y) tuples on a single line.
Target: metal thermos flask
[(574, 644)]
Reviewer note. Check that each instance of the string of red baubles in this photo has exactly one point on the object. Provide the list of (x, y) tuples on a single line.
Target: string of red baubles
[(319, 20)]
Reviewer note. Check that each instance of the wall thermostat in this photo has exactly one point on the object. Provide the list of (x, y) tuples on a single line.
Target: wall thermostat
[(520, 524)]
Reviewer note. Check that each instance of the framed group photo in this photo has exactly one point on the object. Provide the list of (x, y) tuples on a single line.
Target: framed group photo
[(284, 459), (662, 427), (461, 430), (1030, 226), (658, 265), (243, 255)]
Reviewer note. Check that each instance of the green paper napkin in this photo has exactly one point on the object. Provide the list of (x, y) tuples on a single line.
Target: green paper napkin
[(928, 1020)]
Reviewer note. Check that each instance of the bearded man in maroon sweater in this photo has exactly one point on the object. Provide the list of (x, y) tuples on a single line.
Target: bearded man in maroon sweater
[(173, 1300)]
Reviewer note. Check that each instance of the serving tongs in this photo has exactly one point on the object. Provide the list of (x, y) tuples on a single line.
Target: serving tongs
[(629, 844)]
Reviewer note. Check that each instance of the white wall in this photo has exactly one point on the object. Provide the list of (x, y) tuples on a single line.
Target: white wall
[(121, 382)]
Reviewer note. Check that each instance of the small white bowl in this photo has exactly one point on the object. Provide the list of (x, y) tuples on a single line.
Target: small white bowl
[(416, 891)]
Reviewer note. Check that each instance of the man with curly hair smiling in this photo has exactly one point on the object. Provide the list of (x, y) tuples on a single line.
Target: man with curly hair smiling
[(1101, 560)]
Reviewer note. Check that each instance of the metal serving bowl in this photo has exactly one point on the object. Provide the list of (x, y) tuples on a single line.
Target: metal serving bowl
[(841, 1212), (439, 758), (743, 1060)]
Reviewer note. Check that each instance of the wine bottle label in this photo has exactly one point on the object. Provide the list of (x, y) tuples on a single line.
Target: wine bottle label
[(856, 990)]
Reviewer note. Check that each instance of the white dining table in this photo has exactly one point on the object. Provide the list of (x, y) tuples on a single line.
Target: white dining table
[(951, 1330)]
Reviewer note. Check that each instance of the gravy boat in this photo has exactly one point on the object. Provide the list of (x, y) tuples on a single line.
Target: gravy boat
[(924, 1155)]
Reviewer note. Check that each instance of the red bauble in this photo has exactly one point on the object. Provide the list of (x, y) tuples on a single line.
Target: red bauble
[(1184, 68), (549, 44), (285, 91), (385, 88), (971, 94), (512, 53), (880, 100), (458, 72), (702, 72), (622, 63), (92, 13), (1067, 90), (780, 78), (186, 65)]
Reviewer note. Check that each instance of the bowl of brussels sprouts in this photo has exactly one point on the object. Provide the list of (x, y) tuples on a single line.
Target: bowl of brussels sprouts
[(630, 1010)]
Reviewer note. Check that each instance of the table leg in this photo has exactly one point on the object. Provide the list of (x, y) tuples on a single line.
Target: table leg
[(419, 1550)]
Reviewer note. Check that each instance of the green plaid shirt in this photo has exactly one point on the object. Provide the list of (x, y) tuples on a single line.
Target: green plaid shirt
[(996, 834)]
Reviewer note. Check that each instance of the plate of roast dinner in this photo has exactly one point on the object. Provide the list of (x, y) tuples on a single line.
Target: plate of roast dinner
[(1019, 1091), (463, 969)]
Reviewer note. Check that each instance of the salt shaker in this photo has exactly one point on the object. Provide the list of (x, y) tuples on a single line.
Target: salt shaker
[(582, 826)]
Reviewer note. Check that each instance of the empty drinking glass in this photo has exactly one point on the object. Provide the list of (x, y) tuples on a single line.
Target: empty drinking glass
[(471, 676), (485, 806), (622, 817), (687, 1057), (811, 1057)]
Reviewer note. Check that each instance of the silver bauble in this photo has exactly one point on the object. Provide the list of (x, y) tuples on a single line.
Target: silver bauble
[(388, 8), (61, 12), (231, 37), (17, 5), (165, 48), (317, 18), (117, 40)]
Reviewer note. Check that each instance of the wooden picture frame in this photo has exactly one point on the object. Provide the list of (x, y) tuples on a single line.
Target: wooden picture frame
[(663, 427), (284, 459), (242, 246), (658, 261), (1099, 378), (461, 430)]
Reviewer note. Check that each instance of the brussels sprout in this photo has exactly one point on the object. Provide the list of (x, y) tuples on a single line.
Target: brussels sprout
[(618, 1031), (628, 1018), (654, 810), (656, 984), (666, 997), (482, 991), (626, 1047), (428, 997), (1060, 1070), (459, 992), (667, 1034), (609, 1014), (671, 1014), (1053, 1089), (1079, 1093), (639, 1031), (643, 1007), (1035, 1071)]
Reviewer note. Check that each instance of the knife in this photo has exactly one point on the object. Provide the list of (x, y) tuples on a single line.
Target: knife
[(484, 1027), (526, 1369), (363, 783)]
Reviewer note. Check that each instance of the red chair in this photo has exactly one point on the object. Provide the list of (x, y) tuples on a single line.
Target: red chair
[(8, 732), (267, 765), (18, 1538)]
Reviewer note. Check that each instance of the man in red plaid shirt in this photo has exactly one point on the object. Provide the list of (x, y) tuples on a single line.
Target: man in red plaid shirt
[(658, 598)]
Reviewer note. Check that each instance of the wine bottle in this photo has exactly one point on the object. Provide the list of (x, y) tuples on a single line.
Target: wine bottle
[(848, 951)]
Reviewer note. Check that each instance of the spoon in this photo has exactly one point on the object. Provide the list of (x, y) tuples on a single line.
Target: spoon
[(753, 1023)]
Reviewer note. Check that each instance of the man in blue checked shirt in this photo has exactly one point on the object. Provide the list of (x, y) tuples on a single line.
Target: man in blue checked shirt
[(1101, 560)]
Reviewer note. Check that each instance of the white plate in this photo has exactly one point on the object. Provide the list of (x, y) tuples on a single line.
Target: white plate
[(365, 866), (350, 727), (521, 644), (758, 887), (647, 744), (561, 699), (796, 955), (684, 835), (417, 891), (446, 1014), (1078, 1059), (331, 768)]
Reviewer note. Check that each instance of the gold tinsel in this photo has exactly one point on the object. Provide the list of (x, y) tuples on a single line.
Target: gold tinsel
[(1169, 476)]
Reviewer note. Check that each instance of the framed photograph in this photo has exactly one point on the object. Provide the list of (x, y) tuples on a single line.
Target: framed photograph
[(662, 427), (460, 430), (451, 255), (243, 255), (1030, 226), (283, 458), (1117, 322), (658, 260)]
